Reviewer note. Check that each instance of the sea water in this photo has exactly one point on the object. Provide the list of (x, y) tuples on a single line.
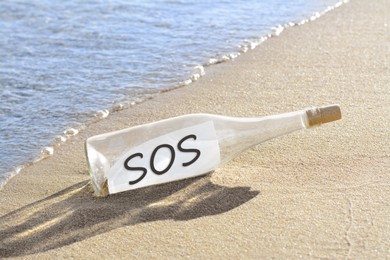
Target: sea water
[(62, 61)]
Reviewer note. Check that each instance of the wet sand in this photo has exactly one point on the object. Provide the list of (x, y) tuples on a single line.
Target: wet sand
[(321, 193)]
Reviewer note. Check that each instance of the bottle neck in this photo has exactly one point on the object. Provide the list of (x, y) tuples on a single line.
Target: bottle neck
[(243, 133)]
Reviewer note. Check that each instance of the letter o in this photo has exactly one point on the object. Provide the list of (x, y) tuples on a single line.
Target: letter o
[(154, 155)]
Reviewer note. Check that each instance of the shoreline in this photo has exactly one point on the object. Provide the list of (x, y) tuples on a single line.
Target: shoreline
[(60, 139), (319, 193)]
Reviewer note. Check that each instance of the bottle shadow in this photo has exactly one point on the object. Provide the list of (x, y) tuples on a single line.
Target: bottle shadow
[(73, 214)]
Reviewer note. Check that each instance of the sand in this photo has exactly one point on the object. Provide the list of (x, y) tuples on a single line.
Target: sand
[(320, 193)]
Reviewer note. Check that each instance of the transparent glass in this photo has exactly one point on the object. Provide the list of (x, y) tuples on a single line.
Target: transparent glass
[(234, 136)]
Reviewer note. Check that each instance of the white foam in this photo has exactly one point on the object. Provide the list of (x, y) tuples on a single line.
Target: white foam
[(102, 113), (60, 139), (187, 82), (315, 16), (212, 61), (291, 24), (71, 132), (234, 55), (200, 70), (195, 76), (277, 30), (47, 151), (244, 48), (225, 58), (118, 107)]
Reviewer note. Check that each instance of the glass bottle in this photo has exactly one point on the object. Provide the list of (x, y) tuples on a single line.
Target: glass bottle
[(185, 146)]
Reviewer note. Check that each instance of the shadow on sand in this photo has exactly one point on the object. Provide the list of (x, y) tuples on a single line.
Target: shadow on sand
[(73, 214)]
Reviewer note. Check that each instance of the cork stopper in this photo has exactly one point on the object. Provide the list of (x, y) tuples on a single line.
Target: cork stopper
[(322, 115)]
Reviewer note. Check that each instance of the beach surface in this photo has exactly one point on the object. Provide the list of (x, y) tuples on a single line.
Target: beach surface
[(319, 193)]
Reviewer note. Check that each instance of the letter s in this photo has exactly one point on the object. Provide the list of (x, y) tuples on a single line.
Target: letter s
[(144, 171), (185, 150)]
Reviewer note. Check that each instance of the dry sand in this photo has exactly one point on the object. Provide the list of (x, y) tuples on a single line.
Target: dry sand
[(321, 193)]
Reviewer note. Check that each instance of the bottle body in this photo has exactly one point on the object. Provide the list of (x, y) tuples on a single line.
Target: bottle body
[(178, 148)]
